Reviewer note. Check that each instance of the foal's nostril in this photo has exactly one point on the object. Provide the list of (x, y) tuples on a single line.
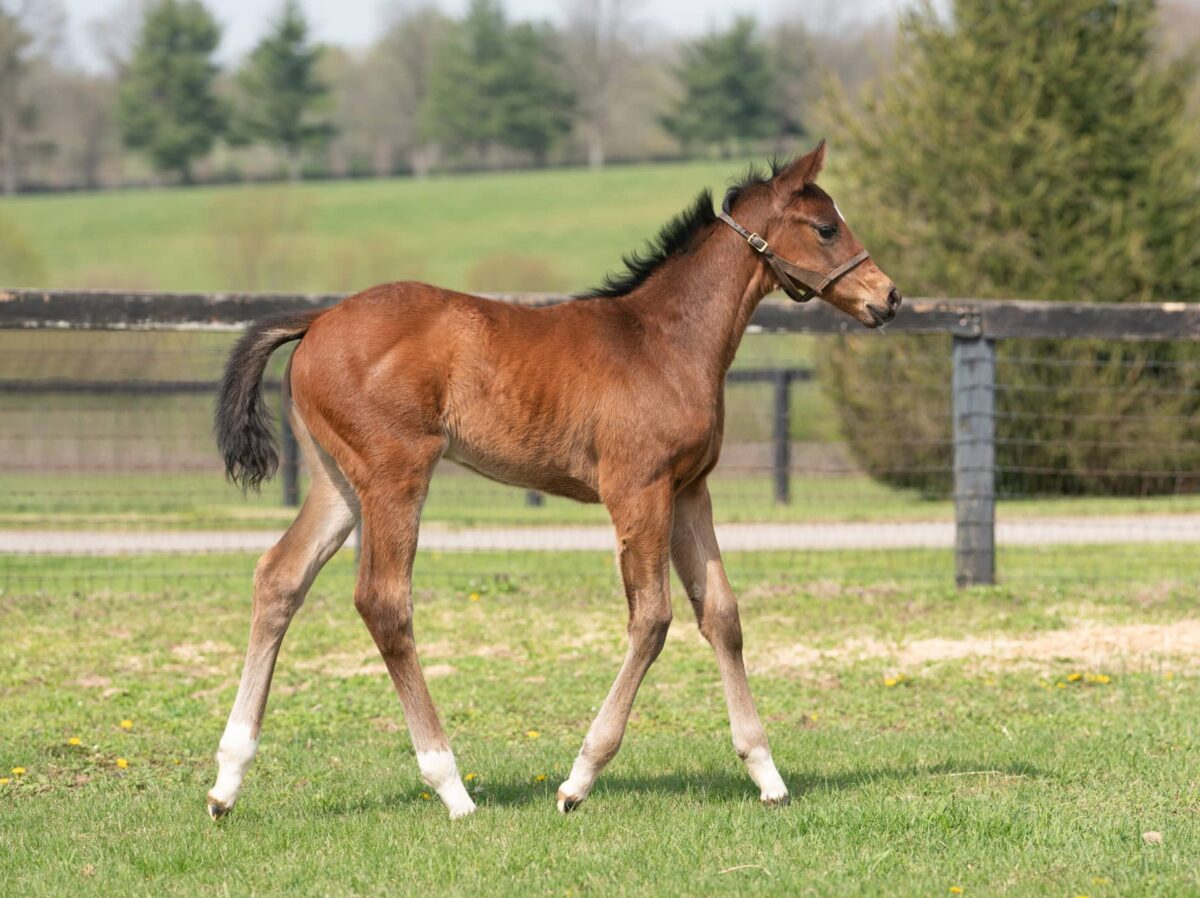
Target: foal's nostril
[(894, 299)]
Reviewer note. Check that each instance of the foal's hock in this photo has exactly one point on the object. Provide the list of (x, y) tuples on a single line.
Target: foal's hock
[(616, 397)]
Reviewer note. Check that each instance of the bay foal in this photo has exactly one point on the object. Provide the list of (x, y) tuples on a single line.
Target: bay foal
[(617, 397)]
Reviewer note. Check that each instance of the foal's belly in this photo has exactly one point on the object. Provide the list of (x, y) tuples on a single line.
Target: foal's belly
[(526, 470)]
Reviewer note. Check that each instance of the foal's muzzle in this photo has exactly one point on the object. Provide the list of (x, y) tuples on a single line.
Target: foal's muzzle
[(888, 312)]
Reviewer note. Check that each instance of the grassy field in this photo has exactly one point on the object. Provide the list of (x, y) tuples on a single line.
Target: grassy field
[(547, 230), (996, 741)]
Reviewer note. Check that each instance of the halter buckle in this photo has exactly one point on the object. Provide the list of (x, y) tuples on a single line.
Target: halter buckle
[(757, 242)]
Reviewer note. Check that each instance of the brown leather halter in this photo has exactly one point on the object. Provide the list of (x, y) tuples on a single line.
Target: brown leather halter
[(790, 275)]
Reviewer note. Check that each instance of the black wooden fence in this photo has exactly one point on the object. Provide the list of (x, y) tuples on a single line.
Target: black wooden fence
[(974, 325)]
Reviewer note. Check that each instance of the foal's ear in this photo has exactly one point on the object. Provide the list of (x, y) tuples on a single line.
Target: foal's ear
[(804, 169)]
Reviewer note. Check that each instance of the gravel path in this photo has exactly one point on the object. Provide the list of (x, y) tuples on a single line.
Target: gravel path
[(1159, 528)]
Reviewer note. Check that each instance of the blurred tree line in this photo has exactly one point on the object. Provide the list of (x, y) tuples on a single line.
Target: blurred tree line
[(433, 92)]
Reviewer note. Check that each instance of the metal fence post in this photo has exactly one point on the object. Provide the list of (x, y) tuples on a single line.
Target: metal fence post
[(290, 464), (782, 461), (534, 499), (974, 461)]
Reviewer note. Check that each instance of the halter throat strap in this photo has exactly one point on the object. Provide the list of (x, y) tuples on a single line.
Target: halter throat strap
[(801, 284)]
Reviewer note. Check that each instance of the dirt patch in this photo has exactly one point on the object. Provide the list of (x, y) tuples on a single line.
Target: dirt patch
[(1093, 646), (343, 665), (196, 659), (196, 651)]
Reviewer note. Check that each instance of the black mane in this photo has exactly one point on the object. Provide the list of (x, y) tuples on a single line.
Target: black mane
[(753, 177), (676, 237)]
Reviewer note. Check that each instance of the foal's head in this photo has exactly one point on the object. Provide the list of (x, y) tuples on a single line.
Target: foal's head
[(802, 225)]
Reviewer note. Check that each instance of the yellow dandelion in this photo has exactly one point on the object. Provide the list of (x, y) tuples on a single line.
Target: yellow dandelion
[(470, 776), (956, 890), (1102, 679), (122, 763), (891, 681), (533, 734), (74, 740), (4, 781), (1074, 677), (1169, 675), (814, 717), (1100, 880), (540, 778), (1061, 685), (17, 771), (474, 597), (425, 796), (1081, 896), (127, 724)]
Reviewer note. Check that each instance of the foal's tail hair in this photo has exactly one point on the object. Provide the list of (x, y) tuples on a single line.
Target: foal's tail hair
[(243, 420)]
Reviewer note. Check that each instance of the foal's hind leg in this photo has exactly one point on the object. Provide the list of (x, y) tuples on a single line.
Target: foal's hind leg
[(281, 581), (698, 562), (391, 516), (643, 524)]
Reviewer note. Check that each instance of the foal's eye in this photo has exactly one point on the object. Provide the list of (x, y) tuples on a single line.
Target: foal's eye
[(827, 231)]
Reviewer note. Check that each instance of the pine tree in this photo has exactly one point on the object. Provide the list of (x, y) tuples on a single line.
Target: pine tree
[(167, 106), (460, 111), (1032, 149), (534, 102), (282, 92), (728, 90), (496, 84)]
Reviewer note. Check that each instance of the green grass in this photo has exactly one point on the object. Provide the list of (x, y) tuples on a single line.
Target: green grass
[(1002, 777), (348, 235)]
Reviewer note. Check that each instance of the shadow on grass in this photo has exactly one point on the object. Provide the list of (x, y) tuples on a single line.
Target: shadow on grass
[(712, 785)]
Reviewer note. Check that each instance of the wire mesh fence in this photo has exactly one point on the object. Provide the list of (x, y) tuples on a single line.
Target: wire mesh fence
[(843, 459)]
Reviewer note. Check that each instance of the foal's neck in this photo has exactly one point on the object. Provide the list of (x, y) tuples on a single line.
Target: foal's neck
[(702, 301)]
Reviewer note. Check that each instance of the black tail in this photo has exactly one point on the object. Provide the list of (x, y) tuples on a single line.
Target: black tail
[(243, 421)]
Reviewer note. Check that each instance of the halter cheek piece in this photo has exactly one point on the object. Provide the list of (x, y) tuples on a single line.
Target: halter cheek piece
[(801, 284)]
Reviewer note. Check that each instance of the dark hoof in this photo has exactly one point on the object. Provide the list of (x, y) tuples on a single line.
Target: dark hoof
[(217, 810), (781, 801), (568, 803)]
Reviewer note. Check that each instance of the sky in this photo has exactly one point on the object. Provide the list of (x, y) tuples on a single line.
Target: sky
[(355, 23)]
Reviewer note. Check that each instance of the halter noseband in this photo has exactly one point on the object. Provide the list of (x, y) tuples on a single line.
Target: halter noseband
[(801, 284)]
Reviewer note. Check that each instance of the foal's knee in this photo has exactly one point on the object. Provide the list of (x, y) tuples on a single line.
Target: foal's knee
[(386, 609), (649, 626)]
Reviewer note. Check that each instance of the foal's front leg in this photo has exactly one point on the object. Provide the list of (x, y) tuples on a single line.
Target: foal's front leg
[(698, 561), (643, 524)]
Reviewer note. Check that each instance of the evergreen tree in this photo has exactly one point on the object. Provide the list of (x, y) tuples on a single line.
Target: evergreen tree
[(497, 84), (534, 103), (1034, 149), (167, 107), (460, 111), (729, 90), (282, 92)]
